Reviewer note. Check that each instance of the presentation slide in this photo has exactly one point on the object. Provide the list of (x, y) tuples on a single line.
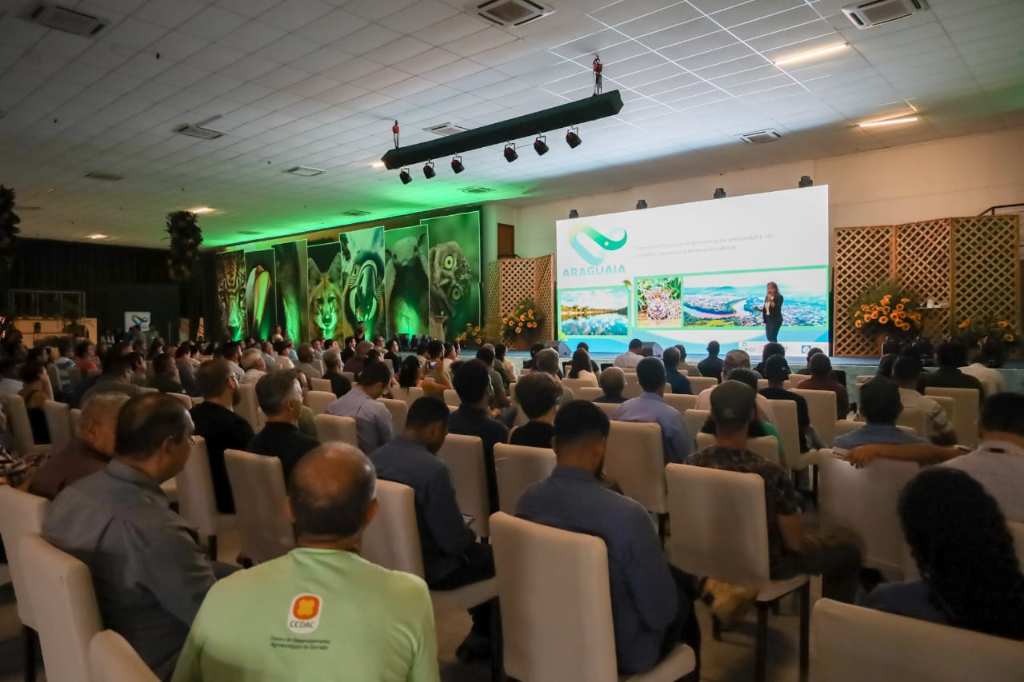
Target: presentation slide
[(692, 273)]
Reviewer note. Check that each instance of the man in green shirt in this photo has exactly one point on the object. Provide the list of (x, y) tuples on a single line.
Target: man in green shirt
[(321, 612)]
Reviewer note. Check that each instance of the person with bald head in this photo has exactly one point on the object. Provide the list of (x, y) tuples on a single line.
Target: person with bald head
[(321, 612), (357, 363), (736, 359), (88, 451), (613, 383)]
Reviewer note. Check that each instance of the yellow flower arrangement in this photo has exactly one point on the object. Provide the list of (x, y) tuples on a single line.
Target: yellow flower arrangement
[(975, 332), (524, 318), (886, 309)]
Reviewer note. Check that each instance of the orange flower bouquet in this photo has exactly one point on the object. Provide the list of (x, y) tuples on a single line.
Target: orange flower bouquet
[(887, 310), (976, 332), (524, 320)]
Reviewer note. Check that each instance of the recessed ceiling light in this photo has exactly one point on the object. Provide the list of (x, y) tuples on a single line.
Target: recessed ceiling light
[(306, 171), (377, 164), (96, 236), (812, 54), (888, 122), (200, 210)]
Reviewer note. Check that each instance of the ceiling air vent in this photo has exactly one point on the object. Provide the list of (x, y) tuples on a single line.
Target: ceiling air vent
[(306, 171), (512, 12), (68, 20), (109, 177), (760, 136), (446, 129), (873, 13), (477, 190), (199, 131), (355, 213)]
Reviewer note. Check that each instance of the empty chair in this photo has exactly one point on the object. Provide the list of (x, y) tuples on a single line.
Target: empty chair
[(726, 538), (58, 421), (764, 446), (464, 456), (635, 459), (451, 397), (321, 385), (821, 408), (196, 501), (588, 393), (61, 591), (556, 612), (409, 395), (965, 414), (694, 420), (257, 484), (247, 406), (701, 384), (331, 427), (517, 468), (319, 400), (680, 402), (399, 409), (21, 428), (113, 658), (852, 644)]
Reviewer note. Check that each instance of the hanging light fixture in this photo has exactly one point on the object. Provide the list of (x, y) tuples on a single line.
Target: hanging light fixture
[(805, 181), (573, 213), (428, 170), (719, 193), (642, 204), (457, 166), (572, 137), (405, 176), (510, 152), (540, 145)]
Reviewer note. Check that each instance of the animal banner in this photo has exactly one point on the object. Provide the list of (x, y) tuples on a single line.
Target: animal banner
[(454, 272), (260, 308), (323, 271), (406, 284), (231, 275), (362, 280), (292, 304)]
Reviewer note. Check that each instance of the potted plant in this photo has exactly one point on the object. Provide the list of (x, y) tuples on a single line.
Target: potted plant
[(974, 332), (521, 326), (887, 311)]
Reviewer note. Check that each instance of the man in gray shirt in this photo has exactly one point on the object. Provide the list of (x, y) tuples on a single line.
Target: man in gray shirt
[(149, 574), (373, 421)]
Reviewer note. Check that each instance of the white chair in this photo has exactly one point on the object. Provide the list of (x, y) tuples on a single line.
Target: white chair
[(147, 389), (74, 377), (701, 384), (608, 408), (257, 484), (54, 375), (464, 456), (58, 421), (632, 389), (862, 379), (182, 398), (319, 364), (853, 644), (321, 385), (331, 427), (517, 468), (111, 657), (763, 384), (451, 397), (409, 395), (784, 417), (845, 426), (726, 538), (694, 420), (556, 612), (63, 599), (575, 385), (635, 459), (351, 376), (75, 418), (22, 514), (861, 504), (588, 393), (21, 428), (399, 410), (914, 418), (681, 402), (821, 408), (966, 413), (764, 446), (247, 406), (196, 501), (318, 401)]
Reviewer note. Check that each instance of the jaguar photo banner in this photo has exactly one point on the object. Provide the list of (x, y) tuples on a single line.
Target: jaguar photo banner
[(231, 275), (323, 271)]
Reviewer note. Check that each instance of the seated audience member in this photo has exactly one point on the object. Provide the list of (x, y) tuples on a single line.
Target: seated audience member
[(652, 609), (85, 357), (267, 351), (232, 352), (885, 366), (776, 371), (409, 373), (547, 361), (583, 345), (139, 368), (422, 353), (758, 428), (771, 349), (149, 574), (880, 406), (88, 451), (790, 553), (35, 391), (116, 378), (434, 378), (186, 373), (165, 375), (372, 623), (538, 395), (392, 356), (821, 367), (451, 355), (473, 418), (906, 372), (998, 463), (254, 365), (452, 557), (278, 334), (217, 423), (580, 368), (613, 383), (500, 399), (684, 367), (984, 368), (373, 421), (632, 357), (712, 365), (650, 407), (307, 420), (737, 359), (340, 384), (951, 356), (507, 377), (63, 362), (282, 356), (280, 397), (971, 577), (357, 363), (317, 346), (305, 363), (534, 349), (678, 380)]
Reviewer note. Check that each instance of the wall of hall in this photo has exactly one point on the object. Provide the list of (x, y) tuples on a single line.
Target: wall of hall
[(959, 176)]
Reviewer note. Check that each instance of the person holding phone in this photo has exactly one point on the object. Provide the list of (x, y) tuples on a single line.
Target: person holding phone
[(771, 312)]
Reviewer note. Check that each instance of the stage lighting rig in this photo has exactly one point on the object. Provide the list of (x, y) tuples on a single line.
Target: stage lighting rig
[(428, 170), (572, 137), (405, 176), (540, 145), (642, 204), (510, 152), (805, 181), (719, 193), (573, 213), (457, 166)]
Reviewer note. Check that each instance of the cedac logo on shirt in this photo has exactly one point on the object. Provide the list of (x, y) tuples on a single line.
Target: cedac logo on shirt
[(304, 614)]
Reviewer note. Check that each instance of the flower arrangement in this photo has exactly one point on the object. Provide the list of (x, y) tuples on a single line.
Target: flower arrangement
[(524, 320), (976, 332), (474, 333), (186, 237), (886, 310)]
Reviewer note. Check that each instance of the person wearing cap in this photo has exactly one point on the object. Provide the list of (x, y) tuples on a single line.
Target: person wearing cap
[(711, 366), (880, 405), (776, 371), (737, 359), (650, 407), (906, 372), (821, 380), (790, 552)]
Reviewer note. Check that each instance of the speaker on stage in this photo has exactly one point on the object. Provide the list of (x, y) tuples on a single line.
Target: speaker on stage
[(651, 349), (561, 347)]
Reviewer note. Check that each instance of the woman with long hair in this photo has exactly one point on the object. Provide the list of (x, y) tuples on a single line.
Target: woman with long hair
[(580, 367), (970, 575), (771, 312), (409, 373)]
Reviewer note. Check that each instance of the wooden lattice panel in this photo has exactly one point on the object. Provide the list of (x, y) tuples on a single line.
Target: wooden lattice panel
[(544, 294), (922, 267), (863, 259), (986, 268), (492, 310)]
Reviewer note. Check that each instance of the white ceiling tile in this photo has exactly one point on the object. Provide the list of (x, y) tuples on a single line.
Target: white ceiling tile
[(629, 12), (176, 46), (477, 80), (666, 74), (247, 93), (287, 49), (332, 27), (312, 86), (458, 26), (703, 60), (60, 45), (321, 60), (368, 39), (341, 94), (732, 13), (216, 84), (368, 102), (293, 14), (38, 64), (352, 70), (250, 68), (134, 34), (421, 15), (409, 86), (282, 78), (252, 36), (168, 14), (480, 41), (380, 79), (212, 24), (375, 10), (20, 33), (397, 51), (215, 57), (454, 71), (118, 84)]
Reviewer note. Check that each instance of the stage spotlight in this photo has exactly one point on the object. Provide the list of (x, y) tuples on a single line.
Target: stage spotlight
[(540, 145), (805, 181), (720, 193), (428, 170), (641, 204), (572, 137), (510, 152), (457, 164), (405, 177), (573, 213)]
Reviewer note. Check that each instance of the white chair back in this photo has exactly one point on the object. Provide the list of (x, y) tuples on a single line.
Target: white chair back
[(966, 413), (196, 501), (451, 397), (21, 514), (464, 456), (575, 385), (319, 400), (845, 426), (681, 403), (247, 405), (319, 364), (65, 603), (914, 418), (257, 484), (821, 408), (74, 377), (58, 421), (321, 385), (635, 459), (701, 384), (392, 539), (75, 418), (351, 376), (330, 427), (54, 375), (694, 420), (852, 644), (111, 657), (588, 393), (183, 399), (632, 389), (409, 395), (785, 422), (609, 408), (517, 468), (399, 410), (19, 425), (764, 446), (862, 504)]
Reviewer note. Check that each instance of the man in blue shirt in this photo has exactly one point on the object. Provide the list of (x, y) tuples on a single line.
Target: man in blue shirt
[(472, 382), (650, 407), (680, 384), (373, 421), (652, 609), (880, 405)]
